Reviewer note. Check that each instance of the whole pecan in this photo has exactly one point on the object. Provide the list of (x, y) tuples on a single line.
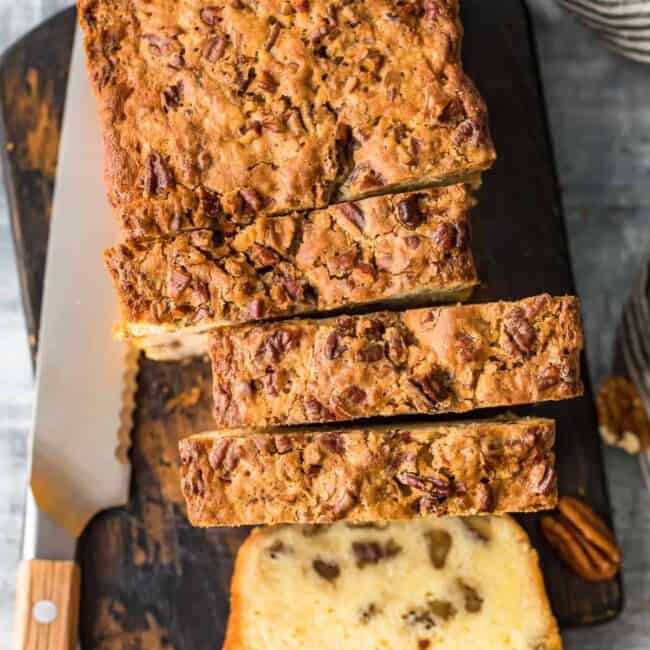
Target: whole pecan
[(582, 540)]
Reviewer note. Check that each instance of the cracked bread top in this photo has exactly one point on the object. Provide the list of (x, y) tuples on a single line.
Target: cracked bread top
[(376, 249), (268, 106), (434, 360), (369, 473)]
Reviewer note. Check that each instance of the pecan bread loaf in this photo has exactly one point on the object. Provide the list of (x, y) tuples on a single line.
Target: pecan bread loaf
[(369, 473), (267, 107), (433, 360), (390, 248), (433, 584)]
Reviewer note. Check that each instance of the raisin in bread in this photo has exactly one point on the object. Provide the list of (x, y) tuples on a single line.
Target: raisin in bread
[(433, 360), (365, 474), (431, 584)]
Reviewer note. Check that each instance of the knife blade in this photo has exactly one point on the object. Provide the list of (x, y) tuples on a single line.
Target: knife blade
[(84, 383)]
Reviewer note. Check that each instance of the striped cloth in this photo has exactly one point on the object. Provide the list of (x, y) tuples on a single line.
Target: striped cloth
[(624, 25)]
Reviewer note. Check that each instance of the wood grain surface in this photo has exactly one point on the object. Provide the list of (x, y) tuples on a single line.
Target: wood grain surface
[(152, 576), (54, 587)]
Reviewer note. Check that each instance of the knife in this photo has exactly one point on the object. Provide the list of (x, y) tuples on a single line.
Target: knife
[(84, 385)]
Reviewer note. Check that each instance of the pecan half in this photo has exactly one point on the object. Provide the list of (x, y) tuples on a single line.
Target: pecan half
[(409, 213), (622, 417), (582, 540), (519, 331)]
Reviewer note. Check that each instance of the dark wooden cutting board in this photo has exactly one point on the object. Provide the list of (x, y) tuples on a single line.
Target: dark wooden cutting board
[(149, 579)]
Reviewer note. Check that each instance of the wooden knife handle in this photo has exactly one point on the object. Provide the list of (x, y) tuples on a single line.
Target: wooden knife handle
[(47, 605)]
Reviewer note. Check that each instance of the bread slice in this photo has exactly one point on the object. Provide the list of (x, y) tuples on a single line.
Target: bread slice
[(432, 584), (369, 473), (391, 249), (435, 360), (235, 108)]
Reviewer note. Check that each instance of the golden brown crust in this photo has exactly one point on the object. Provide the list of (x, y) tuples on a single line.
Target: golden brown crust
[(276, 106), (369, 474), (377, 249), (434, 360)]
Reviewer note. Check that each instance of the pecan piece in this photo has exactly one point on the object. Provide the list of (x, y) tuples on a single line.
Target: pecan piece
[(333, 346), (178, 281), (218, 453), (315, 411), (353, 214), (277, 548), (350, 398), (330, 571), (252, 198), (442, 609), (267, 82), (621, 415), (214, 49), (409, 213), (467, 132), (444, 236), (346, 325), (210, 15), (439, 543), (436, 486), (473, 601), (582, 540), (434, 384), (283, 443), (276, 345), (334, 441), (548, 377), (256, 308), (542, 478), (412, 242), (371, 353), (158, 177), (170, 97), (274, 32), (519, 331), (466, 347), (397, 352), (373, 552)]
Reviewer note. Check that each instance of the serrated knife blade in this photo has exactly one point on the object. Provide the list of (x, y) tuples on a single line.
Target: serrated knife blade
[(84, 383)]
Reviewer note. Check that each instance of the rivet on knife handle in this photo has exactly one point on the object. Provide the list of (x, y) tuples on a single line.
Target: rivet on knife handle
[(47, 605)]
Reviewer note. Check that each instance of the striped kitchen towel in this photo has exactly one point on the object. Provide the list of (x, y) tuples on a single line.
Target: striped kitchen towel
[(624, 25)]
